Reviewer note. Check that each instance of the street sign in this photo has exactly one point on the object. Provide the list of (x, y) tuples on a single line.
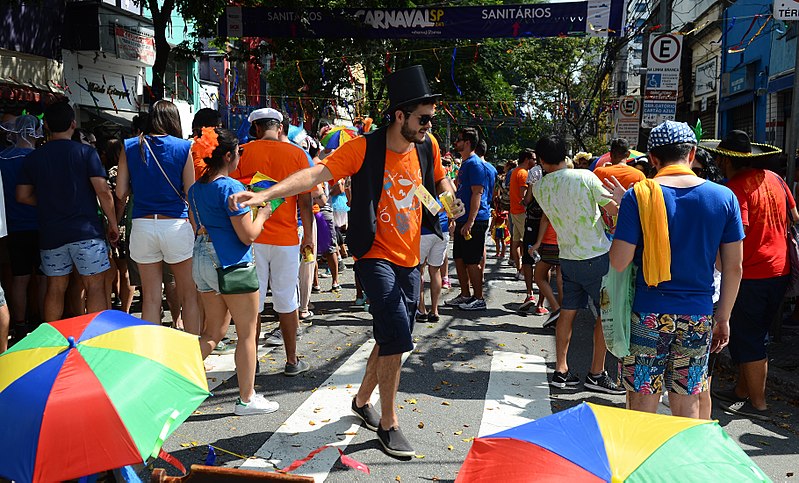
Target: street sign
[(662, 79), (786, 10), (626, 119)]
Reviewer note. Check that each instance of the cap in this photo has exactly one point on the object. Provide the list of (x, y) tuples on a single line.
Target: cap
[(265, 113), (670, 132)]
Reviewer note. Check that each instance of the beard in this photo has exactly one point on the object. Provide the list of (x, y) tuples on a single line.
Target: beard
[(412, 136)]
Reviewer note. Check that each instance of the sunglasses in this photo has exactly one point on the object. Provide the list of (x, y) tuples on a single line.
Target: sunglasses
[(241, 150), (424, 119)]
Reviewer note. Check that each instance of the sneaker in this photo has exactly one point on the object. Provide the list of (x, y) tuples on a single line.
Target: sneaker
[(336, 287), (359, 301), (562, 381), (420, 317), (474, 304), (552, 319), (745, 408), (276, 339), (292, 370), (325, 274), (394, 442), (433, 318), (727, 396), (341, 266), (316, 289), (541, 311), (519, 275), (257, 405), (445, 283), (603, 383), (367, 414), (457, 301), (224, 348), (528, 302)]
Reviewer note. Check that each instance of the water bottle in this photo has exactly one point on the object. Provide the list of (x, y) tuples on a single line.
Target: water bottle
[(534, 255)]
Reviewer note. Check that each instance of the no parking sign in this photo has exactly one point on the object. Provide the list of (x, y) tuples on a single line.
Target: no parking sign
[(662, 79)]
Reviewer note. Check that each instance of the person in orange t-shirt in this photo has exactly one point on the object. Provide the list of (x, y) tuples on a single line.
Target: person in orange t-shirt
[(277, 248), (627, 175), (518, 190), (388, 267)]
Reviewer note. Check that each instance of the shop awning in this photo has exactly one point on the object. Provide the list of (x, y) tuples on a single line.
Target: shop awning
[(780, 83), (120, 118), (737, 101)]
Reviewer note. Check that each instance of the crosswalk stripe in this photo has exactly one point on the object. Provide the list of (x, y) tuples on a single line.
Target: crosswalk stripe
[(328, 408), (518, 392), (223, 367)]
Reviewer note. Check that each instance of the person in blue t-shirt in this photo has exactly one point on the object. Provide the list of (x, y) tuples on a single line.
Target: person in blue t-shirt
[(23, 233), (673, 327), (475, 190), (224, 239), (64, 180)]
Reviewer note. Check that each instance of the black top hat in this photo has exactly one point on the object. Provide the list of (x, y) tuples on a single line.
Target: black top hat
[(408, 86), (738, 145)]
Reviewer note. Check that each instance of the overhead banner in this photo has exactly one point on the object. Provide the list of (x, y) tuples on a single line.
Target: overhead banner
[(595, 17)]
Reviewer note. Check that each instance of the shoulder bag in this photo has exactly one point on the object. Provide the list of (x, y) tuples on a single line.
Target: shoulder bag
[(793, 246), (158, 163), (235, 279)]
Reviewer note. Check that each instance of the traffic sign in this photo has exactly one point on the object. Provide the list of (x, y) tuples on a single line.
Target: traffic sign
[(629, 106), (665, 50)]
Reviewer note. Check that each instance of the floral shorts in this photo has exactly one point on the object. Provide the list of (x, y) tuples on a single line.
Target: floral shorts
[(668, 352)]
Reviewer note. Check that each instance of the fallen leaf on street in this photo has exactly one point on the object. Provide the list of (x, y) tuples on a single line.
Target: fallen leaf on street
[(458, 433), (410, 401), (449, 447), (419, 456), (312, 423), (421, 425), (445, 403)]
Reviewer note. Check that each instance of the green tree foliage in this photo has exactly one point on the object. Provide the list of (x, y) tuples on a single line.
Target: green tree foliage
[(514, 90)]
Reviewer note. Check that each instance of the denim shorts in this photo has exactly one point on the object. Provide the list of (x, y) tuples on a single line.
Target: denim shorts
[(204, 263), (89, 256), (393, 293), (582, 279)]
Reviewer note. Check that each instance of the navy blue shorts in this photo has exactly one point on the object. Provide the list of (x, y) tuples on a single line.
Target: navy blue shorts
[(393, 294), (754, 310), (582, 279)]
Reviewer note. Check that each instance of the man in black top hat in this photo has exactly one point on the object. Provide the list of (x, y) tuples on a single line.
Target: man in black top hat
[(396, 172)]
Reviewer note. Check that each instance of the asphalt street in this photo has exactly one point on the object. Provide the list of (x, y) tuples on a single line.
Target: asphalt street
[(472, 373)]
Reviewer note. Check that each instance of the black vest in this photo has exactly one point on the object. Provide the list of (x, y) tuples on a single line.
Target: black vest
[(367, 187)]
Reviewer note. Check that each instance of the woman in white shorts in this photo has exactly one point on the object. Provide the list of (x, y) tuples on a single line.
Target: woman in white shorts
[(157, 170)]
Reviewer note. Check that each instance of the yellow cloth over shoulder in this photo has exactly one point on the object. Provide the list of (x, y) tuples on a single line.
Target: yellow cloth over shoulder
[(655, 225)]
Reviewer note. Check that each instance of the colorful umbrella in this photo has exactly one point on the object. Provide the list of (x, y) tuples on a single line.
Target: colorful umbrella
[(338, 136), (600, 443), (605, 158), (94, 393)]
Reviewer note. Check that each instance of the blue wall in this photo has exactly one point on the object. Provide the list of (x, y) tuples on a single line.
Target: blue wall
[(756, 58)]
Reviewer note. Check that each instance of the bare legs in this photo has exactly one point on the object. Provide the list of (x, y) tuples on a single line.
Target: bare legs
[(382, 372)]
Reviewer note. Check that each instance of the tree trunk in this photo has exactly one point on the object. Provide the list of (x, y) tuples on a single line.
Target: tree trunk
[(161, 18)]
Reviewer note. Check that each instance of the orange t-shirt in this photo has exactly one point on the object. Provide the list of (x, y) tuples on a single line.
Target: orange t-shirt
[(277, 160), (399, 212), (626, 175), (199, 168), (517, 180), (550, 236)]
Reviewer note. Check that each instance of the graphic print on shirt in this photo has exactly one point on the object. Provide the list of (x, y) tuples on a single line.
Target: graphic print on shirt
[(401, 201)]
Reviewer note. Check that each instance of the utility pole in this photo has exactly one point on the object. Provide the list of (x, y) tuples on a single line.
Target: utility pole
[(664, 20), (793, 137)]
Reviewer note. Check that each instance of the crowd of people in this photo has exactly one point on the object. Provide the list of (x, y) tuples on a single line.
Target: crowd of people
[(215, 225)]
